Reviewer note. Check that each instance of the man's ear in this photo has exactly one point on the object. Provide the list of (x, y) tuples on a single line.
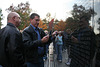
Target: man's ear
[(13, 18), (31, 19)]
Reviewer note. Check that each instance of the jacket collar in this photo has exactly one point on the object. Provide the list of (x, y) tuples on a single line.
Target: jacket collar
[(33, 30), (10, 24), (34, 27)]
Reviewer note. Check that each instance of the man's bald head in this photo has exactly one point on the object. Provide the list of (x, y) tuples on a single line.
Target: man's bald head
[(14, 18), (11, 15)]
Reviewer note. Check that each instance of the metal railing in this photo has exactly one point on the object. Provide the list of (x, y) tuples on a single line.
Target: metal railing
[(51, 55)]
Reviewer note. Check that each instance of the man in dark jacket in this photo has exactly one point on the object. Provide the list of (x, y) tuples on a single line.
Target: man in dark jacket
[(84, 45), (12, 39), (35, 41)]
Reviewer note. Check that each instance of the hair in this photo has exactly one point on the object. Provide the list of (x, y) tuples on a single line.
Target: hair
[(32, 16), (86, 18), (69, 31)]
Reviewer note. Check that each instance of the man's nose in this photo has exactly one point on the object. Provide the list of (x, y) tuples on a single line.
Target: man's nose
[(20, 21), (37, 21)]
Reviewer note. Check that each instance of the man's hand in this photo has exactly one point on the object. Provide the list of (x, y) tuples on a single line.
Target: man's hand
[(75, 40), (45, 39), (54, 33)]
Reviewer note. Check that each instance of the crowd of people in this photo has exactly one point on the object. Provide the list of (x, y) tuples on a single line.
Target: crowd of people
[(30, 48)]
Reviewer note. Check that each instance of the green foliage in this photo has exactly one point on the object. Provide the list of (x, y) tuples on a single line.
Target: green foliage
[(1, 18), (71, 24), (24, 11), (77, 12)]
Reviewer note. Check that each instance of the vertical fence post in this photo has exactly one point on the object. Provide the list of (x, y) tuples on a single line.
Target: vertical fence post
[(51, 55)]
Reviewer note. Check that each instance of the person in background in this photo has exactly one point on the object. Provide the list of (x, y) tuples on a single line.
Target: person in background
[(84, 45), (68, 44), (59, 43), (35, 41), (14, 48), (64, 34)]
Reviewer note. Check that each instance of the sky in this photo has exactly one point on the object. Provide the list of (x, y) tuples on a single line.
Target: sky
[(59, 9)]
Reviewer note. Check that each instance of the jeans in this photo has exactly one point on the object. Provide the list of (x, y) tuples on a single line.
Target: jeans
[(59, 52), (47, 48)]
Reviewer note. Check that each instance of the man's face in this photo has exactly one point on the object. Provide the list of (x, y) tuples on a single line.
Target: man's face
[(35, 21), (17, 20), (82, 23), (68, 31)]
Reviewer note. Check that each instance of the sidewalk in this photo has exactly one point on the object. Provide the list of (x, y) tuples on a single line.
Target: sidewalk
[(56, 63)]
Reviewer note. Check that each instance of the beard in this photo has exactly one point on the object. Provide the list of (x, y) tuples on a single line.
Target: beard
[(18, 24)]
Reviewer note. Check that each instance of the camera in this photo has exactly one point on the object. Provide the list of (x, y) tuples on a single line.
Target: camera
[(56, 33)]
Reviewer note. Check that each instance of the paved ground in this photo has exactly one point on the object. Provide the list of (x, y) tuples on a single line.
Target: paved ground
[(56, 63)]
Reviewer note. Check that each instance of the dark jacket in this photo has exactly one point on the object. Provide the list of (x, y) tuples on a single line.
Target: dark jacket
[(98, 51), (13, 46), (82, 53), (31, 42), (66, 39)]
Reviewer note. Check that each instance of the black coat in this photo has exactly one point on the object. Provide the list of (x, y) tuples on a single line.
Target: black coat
[(31, 42), (82, 53), (13, 47), (98, 51)]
